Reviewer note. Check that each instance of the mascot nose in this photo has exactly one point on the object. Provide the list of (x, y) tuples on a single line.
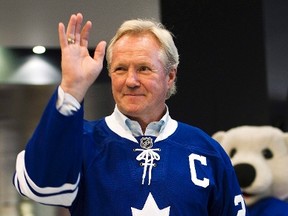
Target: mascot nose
[(246, 174)]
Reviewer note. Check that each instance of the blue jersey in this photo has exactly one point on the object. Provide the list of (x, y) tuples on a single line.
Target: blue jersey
[(269, 206), (99, 168)]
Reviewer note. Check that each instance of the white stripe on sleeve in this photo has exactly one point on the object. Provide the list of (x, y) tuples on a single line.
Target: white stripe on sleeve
[(63, 195)]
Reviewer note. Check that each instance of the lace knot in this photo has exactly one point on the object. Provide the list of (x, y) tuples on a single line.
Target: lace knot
[(148, 155)]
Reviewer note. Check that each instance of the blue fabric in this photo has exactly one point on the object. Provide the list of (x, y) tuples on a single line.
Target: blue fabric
[(62, 147), (269, 207)]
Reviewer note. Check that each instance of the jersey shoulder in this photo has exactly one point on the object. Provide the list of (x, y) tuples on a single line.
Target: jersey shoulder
[(198, 141)]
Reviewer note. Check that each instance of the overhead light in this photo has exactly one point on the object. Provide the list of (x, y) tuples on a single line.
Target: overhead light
[(39, 49)]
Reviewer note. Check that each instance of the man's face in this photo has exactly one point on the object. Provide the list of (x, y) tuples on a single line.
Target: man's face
[(139, 80)]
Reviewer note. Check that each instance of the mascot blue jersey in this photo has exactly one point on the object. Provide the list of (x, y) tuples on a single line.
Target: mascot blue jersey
[(99, 168), (269, 206)]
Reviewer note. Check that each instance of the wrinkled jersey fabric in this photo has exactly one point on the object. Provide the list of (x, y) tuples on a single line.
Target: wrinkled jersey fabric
[(91, 168)]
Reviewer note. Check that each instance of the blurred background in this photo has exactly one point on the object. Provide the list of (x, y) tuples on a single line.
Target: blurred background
[(233, 68)]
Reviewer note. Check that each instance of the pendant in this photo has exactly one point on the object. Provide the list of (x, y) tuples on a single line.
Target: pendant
[(146, 142)]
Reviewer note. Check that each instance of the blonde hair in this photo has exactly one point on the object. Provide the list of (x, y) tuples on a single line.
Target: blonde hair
[(168, 54)]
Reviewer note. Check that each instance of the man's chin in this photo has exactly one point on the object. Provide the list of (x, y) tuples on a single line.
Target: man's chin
[(132, 111)]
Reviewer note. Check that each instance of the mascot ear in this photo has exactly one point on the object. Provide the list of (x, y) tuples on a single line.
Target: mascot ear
[(218, 136), (286, 138)]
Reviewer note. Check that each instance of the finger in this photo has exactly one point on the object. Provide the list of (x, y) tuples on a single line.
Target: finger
[(85, 34), (62, 36), (79, 20), (100, 51), (70, 33)]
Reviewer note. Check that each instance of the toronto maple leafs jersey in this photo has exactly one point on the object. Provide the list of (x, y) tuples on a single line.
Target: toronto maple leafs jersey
[(98, 168)]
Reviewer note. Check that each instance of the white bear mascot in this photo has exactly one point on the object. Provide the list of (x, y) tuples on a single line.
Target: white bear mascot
[(259, 155)]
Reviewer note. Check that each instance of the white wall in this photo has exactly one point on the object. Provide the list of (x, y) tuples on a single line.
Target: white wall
[(25, 23)]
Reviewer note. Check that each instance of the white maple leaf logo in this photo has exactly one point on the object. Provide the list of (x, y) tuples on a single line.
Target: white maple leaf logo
[(151, 209)]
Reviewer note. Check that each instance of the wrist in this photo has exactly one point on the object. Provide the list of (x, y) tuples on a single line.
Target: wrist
[(66, 103), (77, 93)]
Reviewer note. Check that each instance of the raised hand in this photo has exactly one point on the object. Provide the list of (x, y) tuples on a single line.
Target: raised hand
[(79, 69)]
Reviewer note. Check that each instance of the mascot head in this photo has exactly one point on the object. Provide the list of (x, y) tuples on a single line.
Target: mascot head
[(259, 155)]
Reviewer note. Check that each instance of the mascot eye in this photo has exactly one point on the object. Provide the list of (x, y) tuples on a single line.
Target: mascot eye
[(232, 152), (267, 153)]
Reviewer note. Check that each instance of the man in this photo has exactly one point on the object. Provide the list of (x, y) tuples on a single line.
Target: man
[(137, 161)]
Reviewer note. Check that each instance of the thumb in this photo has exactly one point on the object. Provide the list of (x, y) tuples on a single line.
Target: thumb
[(99, 52)]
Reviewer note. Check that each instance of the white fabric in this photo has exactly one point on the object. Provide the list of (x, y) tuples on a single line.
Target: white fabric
[(66, 103), (117, 123)]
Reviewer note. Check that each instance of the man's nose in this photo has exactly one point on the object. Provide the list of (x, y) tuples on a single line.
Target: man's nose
[(132, 79)]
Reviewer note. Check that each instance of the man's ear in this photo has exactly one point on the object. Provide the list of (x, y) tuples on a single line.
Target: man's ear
[(172, 75)]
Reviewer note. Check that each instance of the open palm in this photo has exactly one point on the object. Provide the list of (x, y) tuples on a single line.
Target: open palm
[(79, 69)]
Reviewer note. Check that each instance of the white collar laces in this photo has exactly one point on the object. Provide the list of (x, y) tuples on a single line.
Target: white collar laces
[(148, 155)]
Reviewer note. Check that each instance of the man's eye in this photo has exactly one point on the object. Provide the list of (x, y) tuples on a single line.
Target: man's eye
[(119, 69), (144, 68)]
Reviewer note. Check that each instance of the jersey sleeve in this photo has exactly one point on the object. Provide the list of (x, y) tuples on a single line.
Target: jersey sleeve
[(229, 196), (49, 169)]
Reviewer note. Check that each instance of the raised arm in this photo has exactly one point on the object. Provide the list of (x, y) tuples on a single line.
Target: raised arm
[(49, 169)]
